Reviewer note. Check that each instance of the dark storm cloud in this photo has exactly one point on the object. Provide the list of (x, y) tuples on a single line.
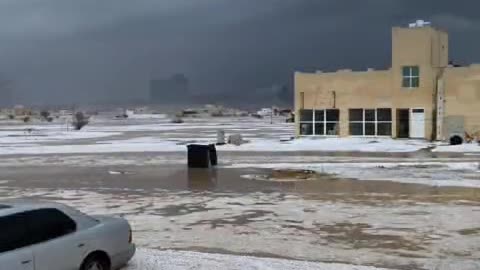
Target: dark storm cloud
[(58, 51)]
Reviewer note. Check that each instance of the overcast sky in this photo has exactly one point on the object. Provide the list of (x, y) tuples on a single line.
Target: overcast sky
[(56, 51)]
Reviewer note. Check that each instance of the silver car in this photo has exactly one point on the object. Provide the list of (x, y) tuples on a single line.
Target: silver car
[(50, 236)]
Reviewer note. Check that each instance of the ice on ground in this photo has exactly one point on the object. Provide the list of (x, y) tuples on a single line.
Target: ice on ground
[(148, 259), (150, 144), (332, 144), (22, 138), (147, 116), (462, 148), (173, 144), (382, 231), (159, 135), (455, 174), (92, 148)]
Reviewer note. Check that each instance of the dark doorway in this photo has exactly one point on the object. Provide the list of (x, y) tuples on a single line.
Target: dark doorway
[(403, 123)]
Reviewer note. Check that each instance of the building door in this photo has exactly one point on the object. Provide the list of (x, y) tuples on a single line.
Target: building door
[(403, 123), (417, 123)]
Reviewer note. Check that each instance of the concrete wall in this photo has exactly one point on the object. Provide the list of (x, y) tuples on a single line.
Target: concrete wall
[(427, 48), (343, 90), (462, 95), (424, 47)]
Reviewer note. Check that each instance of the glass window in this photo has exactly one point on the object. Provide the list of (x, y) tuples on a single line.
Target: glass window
[(371, 122), (333, 115), (319, 115), (369, 129), (355, 115), (415, 82), (411, 76), (306, 115), (332, 129), (319, 128), (324, 123), (370, 115), (356, 129), (415, 71), (306, 129), (13, 233), (384, 114), (48, 224), (384, 129)]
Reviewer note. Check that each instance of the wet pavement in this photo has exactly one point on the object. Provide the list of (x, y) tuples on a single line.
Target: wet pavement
[(179, 178)]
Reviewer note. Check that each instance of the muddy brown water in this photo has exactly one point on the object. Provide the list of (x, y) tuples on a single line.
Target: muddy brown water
[(180, 178)]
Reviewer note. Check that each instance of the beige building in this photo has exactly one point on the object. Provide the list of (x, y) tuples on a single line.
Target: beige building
[(420, 96)]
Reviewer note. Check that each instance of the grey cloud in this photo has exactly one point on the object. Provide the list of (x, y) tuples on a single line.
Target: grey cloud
[(58, 51)]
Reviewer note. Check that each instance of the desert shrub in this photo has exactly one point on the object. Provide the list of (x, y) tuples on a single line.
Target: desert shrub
[(80, 120)]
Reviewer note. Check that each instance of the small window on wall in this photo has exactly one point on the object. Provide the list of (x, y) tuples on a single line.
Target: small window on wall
[(370, 122), (411, 77), (319, 122)]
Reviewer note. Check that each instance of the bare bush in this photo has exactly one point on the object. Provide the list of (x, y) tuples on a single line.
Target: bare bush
[(45, 114), (80, 120)]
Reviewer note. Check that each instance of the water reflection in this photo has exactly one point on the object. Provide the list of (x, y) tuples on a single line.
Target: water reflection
[(202, 179)]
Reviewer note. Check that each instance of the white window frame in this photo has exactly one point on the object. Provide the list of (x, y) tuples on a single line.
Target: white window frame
[(410, 77), (307, 122), (375, 122), (325, 122)]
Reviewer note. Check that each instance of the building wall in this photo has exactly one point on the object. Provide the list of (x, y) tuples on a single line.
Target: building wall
[(343, 90), (424, 47), (427, 48), (462, 96)]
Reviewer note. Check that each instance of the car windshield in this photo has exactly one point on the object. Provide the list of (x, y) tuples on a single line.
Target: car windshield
[(243, 134)]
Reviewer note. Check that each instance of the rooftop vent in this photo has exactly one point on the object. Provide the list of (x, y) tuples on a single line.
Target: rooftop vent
[(419, 24)]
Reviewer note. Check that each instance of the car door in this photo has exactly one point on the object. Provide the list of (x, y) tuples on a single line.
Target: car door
[(57, 243), (15, 254), (21, 259)]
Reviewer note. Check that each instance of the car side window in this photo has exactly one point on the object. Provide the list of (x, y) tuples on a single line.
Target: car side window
[(48, 224), (13, 233)]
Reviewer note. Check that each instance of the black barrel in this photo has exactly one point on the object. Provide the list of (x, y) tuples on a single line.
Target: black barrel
[(213, 155), (198, 156)]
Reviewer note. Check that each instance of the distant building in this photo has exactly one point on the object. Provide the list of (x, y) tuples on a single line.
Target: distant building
[(420, 96), (20, 110), (6, 93), (173, 90)]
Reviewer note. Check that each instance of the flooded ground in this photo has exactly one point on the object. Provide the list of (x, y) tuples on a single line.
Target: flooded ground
[(322, 218), (406, 209)]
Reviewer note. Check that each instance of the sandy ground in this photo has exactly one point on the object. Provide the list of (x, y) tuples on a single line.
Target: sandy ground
[(412, 209)]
